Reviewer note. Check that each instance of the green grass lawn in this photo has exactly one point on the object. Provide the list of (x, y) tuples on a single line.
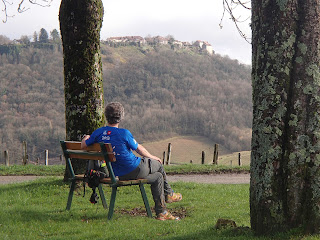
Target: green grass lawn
[(36, 210), (58, 170)]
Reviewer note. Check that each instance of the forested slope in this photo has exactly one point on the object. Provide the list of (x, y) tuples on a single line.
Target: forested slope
[(168, 92), (165, 92)]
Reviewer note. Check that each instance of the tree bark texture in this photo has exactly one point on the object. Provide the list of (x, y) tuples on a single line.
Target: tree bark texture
[(80, 25), (285, 158)]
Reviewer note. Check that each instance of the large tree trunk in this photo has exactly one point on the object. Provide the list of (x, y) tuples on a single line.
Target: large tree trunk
[(285, 177), (80, 24)]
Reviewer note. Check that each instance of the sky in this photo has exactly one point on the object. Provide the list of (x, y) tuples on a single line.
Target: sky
[(185, 20)]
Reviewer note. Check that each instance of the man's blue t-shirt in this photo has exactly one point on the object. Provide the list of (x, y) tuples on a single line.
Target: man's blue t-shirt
[(122, 142)]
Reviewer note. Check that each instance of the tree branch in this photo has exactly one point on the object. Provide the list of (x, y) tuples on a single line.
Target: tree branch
[(5, 2), (21, 7), (242, 4), (230, 7)]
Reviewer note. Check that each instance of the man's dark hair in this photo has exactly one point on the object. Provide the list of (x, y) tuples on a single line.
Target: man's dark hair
[(114, 112)]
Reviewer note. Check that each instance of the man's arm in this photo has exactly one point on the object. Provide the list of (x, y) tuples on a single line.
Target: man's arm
[(83, 142), (144, 153)]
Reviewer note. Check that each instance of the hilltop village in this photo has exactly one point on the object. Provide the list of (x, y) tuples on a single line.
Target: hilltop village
[(43, 41), (158, 40)]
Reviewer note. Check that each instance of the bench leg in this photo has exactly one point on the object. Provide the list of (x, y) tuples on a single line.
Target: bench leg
[(112, 201), (145, 200), (72, 187), (103, 199)]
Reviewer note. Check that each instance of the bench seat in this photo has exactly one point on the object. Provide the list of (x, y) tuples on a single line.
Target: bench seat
[(100, 151), (80, 177)]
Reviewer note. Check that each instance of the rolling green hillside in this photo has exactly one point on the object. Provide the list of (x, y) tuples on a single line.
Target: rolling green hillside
[(165, 92)]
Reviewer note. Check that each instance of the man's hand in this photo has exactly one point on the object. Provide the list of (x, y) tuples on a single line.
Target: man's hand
[(83, 142), (144, 153), (158, 159)]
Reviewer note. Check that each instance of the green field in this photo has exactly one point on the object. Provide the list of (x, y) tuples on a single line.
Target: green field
[(36, 210), (232, 159)]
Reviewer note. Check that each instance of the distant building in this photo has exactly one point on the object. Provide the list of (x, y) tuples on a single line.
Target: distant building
[(207, 47), (186, 44), (204, 46), (137, 40), (127, 39), (160, 40), (198, 44), (115, 39), (177, 44), (149, 40)]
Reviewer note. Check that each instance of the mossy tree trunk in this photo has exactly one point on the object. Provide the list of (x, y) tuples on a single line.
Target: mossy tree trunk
[(285, 160), (80, 25)]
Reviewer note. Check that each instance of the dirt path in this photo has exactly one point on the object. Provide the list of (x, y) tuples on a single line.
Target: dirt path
[(242, 178), (16, 179)]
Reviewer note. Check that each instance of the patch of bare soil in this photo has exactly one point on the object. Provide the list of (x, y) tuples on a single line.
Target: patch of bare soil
[(180, 212)]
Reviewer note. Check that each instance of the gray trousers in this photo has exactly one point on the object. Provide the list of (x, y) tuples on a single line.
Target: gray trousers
[(153, 171)]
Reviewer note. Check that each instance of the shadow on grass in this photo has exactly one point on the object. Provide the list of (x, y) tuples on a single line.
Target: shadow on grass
[(46, 190), (238, 233), (41, 182), (245, 233), (213, 234)]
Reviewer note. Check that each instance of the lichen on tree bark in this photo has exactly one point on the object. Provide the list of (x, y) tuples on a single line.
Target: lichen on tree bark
[(285, 178), (80, 25)]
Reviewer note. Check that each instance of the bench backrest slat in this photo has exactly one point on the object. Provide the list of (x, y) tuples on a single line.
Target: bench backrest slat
[(77, 146), (97, 151), (93, 152), (80, 154)]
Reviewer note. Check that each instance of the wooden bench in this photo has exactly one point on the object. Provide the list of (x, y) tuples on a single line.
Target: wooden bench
[(99, 151)]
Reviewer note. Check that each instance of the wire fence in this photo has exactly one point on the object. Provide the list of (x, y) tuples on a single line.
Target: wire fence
[(44, 157)]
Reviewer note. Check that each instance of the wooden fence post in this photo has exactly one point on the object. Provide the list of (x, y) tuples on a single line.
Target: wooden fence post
[(215, 154), (46, 157), (239, 159), (203, 157), (24, 152), (6, 158), (164, 157), (169, 154)]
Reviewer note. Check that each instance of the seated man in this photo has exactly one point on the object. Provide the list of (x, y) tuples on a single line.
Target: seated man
[(128, 166)]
